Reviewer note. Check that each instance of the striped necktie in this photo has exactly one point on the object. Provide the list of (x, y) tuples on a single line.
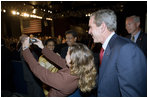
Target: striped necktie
[(133, 38)]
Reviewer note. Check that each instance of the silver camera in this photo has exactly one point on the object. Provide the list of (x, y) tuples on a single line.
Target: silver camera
[(31, 40)]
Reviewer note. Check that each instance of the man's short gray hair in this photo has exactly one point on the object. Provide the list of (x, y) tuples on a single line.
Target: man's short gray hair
[(107, 16), (135, 18)]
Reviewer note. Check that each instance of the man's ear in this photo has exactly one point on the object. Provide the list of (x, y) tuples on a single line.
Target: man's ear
[(103, 26), (138, 24)]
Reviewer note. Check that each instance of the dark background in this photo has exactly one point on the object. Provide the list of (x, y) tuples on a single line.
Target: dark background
[(69, 15)]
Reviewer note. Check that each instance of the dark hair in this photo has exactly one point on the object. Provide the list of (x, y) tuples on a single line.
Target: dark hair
[(50, 40), (13, 45), (74, 33)]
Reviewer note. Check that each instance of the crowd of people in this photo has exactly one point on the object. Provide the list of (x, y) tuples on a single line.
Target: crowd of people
[(66, 67)]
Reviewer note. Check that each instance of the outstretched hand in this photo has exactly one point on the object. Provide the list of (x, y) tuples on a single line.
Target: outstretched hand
[(25, 43), (39, 43)]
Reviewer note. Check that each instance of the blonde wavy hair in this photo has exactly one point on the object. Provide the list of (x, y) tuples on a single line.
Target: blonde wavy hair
[(82, 65)]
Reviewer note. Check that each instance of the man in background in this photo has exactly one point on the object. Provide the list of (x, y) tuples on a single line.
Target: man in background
[(71, 38), (132, 24)]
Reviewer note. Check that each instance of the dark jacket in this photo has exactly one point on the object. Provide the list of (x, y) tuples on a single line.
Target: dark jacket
[(123, 71), (141, 42)]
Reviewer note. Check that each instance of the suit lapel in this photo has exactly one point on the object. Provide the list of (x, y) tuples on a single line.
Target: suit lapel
[(104, 61), (106, 57), (139, 38)]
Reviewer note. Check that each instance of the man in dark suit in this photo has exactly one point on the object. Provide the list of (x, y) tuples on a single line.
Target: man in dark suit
[(7, 72), (71, 38), (123, 71), (133, 28)]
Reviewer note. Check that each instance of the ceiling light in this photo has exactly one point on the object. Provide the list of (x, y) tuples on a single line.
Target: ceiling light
[(4, 11), (49, 19), (33, 16), (34, 11), (88, 14), (17, 13), (39, 17), (14, 12), (25, 14), (49, 11)]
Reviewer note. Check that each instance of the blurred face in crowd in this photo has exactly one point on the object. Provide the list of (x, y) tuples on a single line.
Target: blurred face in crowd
[(50, 45), (31, 36), (70, 39), (94, 31), (132, 27)]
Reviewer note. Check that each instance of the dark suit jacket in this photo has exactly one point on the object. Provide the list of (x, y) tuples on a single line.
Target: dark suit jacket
[(64, 52), (62, 83), (123, 71), (7, 71), (142, 42), (34, 85)]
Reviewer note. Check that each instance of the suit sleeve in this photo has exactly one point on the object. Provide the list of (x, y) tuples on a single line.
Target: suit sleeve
[(54, 57), (64, 52), (144, 45), (132, 71)]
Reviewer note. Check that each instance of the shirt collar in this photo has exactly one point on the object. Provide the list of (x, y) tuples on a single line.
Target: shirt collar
[(107, 40), (136, 36)]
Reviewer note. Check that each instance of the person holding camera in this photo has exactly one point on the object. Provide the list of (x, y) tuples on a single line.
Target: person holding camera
[(33, 84), (76, 71)]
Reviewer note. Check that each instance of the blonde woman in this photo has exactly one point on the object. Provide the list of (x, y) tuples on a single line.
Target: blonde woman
[(78, 70)]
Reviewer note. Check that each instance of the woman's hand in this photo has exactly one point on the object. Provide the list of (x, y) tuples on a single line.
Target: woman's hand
[(25, 43), (39, 43)]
